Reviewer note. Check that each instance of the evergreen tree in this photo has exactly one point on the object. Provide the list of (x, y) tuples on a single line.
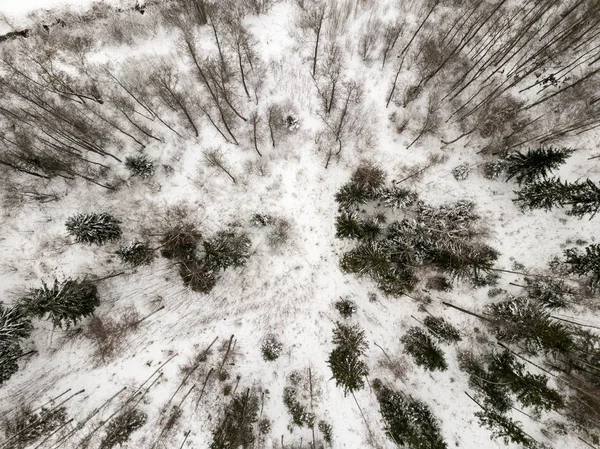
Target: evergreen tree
[(136, 253), (180, 242), (347, 226), (140, 166), (545, 194), (423, 350), (504, 427), (226, 249), (119, 430), (463, 259), (535, 164), (14, 326), (522, 320), (549, 293), (395, 197), (10, 352), (197, 275), (442, 329), (236, 430), (64, 303), (27, 425), (345, 361), (351, 196), (408, 422), (94, 228), (584, 199)]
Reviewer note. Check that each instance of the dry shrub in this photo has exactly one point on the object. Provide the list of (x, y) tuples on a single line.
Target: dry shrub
[(109, 335), (279, 234), (499, 116), (197, 275), (398, 366), (180, 241)]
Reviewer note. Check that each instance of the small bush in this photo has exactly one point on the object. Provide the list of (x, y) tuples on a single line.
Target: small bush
[(346, 307), (94, 228), (64, 303), (279, 234), (136, 253), (180, 242), (461, 172), (345, 362), (264, 426), (140, 166), (271, 348), (423, 350), (119, 430), (300, 416), (262, 220), (494, 169), (226, 249), (442, 329)]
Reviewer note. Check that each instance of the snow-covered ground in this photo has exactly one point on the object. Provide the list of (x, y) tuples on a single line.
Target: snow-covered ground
[(288, 292)]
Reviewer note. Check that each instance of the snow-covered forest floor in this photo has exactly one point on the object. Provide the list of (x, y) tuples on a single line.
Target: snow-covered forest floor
[(253, 115)]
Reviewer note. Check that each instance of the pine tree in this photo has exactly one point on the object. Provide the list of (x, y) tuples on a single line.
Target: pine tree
[(226, 249), (504, 427), (395, 197), (535, 164), (585, 264), (442, 329), (136, 253), (545, 194), (351, 196), (347, 226), (64, 303), (408, 422), (347, 367), (237, 427), (423, 350), (197, 275), (119, 430), (14, 326), (94, 228)]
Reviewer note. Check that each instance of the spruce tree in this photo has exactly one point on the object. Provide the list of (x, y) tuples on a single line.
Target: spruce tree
[(136, 253), (236, 429), (347, 367), (140, 166), (351, 196), (408, 422), (536, 164), (119, 430), (423, 350), (586, 263), (442, 329), (584, 199), (64, 303), (504, 427), (545, 194), (226, 249), (94, 228)]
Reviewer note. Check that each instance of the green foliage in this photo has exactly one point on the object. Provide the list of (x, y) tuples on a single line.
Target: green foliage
[(346, 307), (271, 348), (549, 293), (441, 328), (237, 426), (10, 352), (14, 325), (327, 431), (496, 394), (136, 253), (119, 430), (423, 350), (585, 264), (584, 199), (528, 167), (408, 421), (64, 303), (94, 228), (395, 197), (300, 416), (226, 249), (140, 166), (27, 425), (504, 427), (347, 367), (197, 275), (351, 196), (524, 321), (464, 260), (180, 242), (367, 258)]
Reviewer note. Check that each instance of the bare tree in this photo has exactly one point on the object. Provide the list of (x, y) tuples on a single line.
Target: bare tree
[(312, 18), (214, 158)]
